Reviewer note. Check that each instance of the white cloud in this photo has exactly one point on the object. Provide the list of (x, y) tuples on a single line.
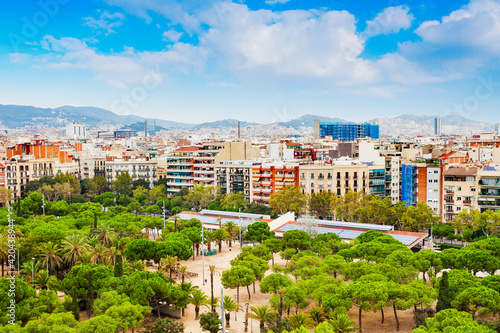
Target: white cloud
[(106, 22), (119, 69), (171, 36), (390, 20), (182, 12), (295, 43), (275, 2), (476, 26)]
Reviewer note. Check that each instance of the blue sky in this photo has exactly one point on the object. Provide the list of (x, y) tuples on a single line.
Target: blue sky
[(258, 60)]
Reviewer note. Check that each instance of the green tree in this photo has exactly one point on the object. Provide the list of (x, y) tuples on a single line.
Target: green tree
[(427, 261), (23, 300), (480, 300), (342, 324), (166, 325), (260, 313), (198, 299), (258, 232), (445, 295), (128, 315), (276, 284), (123, 184), (236, 277), (288, 199), (319, 204), (53, 322), (210, 322), (233, 201), (451, 320), (50, 255), (99, 324), (107, 299), (297, 239)]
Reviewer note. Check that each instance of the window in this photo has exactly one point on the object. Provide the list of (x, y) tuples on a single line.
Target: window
[(338, 174), (347, 175), (459, 188), (473, 189), (436, 181), (312, 175), (459, 198), (470, 179), (430, 180)]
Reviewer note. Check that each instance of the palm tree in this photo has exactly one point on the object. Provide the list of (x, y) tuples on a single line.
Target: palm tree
[(74, 246), (212, 271), (51, 256), (170, 263), (184, 274), (317, 315), (230, 305), (300, 319), (30, 270), (343, 324), (98, 254), (121, 244), (44, 281), (260, 313), (230, 228), (198, 298), (105, 234), (219, 235)]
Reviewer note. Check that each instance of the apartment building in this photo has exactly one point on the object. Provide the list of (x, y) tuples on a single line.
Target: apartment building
[(15, 177), (180, 169), (237, 151), (430, 186), (235, 177), (99, 166), (140, 168), (409, 184), (376, 180), (489, 189), (392, 178), (204, 162), (338, 179), (41, 167), (269, 179), (460, 191)]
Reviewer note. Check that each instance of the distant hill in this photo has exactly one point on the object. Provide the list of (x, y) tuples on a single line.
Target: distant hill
[(421, 125), (308, 121), (17, 116), (222, 124)]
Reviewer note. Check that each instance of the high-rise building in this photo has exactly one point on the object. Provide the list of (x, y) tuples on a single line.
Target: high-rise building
[(348, 131), (437, 126), (150, 127), (76, 131)]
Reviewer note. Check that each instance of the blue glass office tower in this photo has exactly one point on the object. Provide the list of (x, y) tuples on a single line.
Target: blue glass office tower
[(348, 131)]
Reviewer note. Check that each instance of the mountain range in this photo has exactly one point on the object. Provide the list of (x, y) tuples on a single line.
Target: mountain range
[(19, 116)]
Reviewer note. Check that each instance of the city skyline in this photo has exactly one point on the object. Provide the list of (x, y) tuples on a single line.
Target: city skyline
[(262, 61)]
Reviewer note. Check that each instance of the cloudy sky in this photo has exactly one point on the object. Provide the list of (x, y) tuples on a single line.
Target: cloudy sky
[(259, 60)]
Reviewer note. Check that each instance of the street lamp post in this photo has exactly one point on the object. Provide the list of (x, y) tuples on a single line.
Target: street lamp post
[(236, 311), (239, 227), (203, 252), (222, 307), (163, 214), (33, 273)]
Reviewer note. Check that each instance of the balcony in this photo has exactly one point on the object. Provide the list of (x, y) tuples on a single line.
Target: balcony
[(467, 202), (449, 200), (449, 210)]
